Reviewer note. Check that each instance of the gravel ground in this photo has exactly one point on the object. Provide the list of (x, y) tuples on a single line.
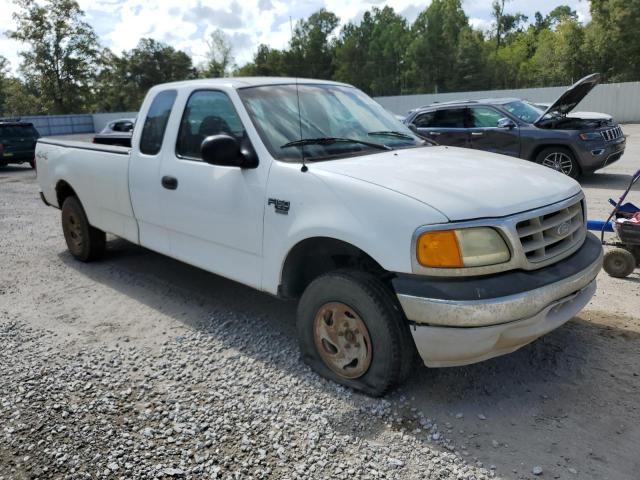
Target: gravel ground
[(139, 366)]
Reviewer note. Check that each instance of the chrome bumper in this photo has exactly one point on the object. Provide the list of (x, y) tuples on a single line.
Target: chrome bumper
[(475, 313), (450, 332)]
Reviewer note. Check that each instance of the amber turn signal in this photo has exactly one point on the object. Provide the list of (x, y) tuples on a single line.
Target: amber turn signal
[(439, 249)]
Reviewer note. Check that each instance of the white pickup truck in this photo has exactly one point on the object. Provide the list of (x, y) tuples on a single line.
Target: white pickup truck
[(309, 189)]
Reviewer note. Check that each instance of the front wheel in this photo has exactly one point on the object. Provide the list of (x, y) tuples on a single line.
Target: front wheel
[(619, 263), (85, 242), (560, 159), (351, 330)]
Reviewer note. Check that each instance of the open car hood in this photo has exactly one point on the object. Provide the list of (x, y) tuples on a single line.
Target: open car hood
[(572, 97)]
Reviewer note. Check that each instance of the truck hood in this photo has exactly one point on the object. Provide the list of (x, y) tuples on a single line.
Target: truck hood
[(462, 184), (572, 97)]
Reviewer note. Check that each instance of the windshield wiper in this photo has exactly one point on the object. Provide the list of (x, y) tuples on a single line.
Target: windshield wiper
[(392, 133), (331, 140)]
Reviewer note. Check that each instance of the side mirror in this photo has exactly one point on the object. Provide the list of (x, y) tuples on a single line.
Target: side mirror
[(506, 123), (226, 151)]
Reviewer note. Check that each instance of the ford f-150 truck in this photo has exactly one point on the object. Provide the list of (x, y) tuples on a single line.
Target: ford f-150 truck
[(310, 190)]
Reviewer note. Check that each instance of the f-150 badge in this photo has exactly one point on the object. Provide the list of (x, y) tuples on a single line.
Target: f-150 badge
[(281, 206)]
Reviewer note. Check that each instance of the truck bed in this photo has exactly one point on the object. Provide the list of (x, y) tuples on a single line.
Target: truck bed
[(99, 175)]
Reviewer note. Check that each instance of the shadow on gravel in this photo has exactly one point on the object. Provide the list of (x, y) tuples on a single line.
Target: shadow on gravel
[(14, 168), (607, 181), (582, 379)]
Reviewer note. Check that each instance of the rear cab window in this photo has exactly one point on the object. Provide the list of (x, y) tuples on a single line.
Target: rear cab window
[(156, 122)]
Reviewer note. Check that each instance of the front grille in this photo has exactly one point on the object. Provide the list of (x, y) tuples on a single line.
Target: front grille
[(547, 236), (611, 134)]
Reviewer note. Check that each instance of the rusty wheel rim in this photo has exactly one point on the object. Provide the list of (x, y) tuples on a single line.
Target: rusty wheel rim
[(342, 340), (74, 232)]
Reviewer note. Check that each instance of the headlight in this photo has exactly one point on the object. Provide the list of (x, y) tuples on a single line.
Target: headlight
[(465, 247), (591, 136)]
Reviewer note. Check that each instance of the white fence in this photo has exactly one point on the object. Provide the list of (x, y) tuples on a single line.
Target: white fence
[(622, 100)]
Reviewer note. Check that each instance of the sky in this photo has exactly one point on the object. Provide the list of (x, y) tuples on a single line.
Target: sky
[(187, 24)]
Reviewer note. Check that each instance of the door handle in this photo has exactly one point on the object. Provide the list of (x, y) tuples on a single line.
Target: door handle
[(435, 134), (477, 134), (170, 183)]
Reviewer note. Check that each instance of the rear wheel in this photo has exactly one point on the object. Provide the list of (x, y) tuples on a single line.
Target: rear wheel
[(560, 159), (619, 262), (351, 330), (85, 242)]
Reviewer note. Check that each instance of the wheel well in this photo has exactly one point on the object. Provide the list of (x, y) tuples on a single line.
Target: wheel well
[(63, 191), (539, 148), (315, 256)]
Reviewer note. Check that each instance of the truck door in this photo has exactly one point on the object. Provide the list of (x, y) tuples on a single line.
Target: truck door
[(213, 213), (486, 135), (144, 172), (446, 126)]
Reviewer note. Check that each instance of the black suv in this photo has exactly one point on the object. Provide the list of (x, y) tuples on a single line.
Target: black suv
[(570, 143), (17, 142)]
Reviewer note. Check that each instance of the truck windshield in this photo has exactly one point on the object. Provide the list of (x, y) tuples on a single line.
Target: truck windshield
[(327, 112)]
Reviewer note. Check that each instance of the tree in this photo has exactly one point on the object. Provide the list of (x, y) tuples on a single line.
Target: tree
[(4, 77), (371, 55), (430, 55), (62, 52), (505, 23), (612, 40), (311, 48), (267, 62), (125, 80), (220, 60)]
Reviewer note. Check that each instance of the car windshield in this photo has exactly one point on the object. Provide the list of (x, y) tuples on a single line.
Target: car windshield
[(524, 111), (334, 121)]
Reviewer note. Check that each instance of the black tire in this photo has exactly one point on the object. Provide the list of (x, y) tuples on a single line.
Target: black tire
[(560, 159), (619, 263), (85, 242), (392, 351)]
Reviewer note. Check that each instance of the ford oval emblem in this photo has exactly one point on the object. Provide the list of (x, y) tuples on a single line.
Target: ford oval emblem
[(563, 228)]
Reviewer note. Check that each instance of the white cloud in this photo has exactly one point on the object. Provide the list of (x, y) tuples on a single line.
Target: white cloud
[(187, 24)]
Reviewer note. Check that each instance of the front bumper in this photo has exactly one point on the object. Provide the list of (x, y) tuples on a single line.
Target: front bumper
[(462, 321), (592, 156)]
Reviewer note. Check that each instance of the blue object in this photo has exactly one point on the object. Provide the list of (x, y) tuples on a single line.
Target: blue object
[(627, 207), (596, 225)]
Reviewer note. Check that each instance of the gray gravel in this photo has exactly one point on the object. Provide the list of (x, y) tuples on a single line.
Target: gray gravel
[(201, 406)]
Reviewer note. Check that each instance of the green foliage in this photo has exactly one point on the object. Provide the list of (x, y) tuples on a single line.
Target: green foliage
[(61, 55), (64, 69), (220, 61), (124, 80)]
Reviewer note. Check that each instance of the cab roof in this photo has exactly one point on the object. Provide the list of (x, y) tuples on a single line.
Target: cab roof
[(246, 82)]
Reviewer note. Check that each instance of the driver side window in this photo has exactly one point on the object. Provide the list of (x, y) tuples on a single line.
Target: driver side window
[(207, 113)]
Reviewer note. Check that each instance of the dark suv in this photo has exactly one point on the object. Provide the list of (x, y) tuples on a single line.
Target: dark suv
[(17, 142), (572, 144)]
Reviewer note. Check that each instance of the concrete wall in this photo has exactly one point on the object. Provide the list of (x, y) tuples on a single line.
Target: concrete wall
[(622, 100)]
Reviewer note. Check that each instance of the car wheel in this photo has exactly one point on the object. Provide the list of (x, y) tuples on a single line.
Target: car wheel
[(559, 159), (85, 242), (352, 330), (619, 263)]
